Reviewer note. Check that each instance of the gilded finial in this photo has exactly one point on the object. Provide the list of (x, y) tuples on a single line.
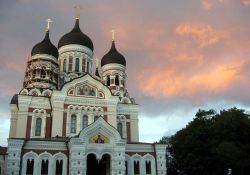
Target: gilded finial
[(49, 21), (113, 34), (77, 10), (96, 62)]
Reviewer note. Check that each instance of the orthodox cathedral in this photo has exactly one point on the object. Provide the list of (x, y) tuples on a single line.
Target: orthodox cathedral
[(68, 120)]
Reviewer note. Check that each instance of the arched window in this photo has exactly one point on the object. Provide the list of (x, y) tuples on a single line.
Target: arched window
[(64, 65), (119, 128), (43, 74), (77, 65), (108, 80), (148, 167), (83, 65), (73, 124), (95, 118), (30, 166), (59, 166), (34, 74), (84, 121), (45, 167), (38, 127), (70, 64), (136, 167), (117, 80)]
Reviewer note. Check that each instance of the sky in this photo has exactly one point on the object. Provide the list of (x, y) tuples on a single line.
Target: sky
[(182, 55)]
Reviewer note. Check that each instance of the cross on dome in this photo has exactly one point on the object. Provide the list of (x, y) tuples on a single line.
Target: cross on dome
[(113, 34), (77, 11), (49, 21)]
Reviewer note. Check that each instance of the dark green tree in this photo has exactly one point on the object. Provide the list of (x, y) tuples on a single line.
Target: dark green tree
[(211, 144)]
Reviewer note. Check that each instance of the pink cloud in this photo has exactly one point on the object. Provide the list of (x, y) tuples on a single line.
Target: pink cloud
[(246, 2), (203, 34)]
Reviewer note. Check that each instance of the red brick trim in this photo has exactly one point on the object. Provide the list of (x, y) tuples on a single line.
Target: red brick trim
[(28, 127), (128, 132), (48, 127), (64, 124)]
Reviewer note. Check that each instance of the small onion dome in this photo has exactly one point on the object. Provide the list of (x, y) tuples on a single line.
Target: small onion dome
[(14, 99), (45, 47), (113, 56), (76, 37)]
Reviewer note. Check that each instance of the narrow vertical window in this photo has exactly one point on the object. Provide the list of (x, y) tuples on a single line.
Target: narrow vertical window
[(83, 65), (70, 64), (38, 127), (73, 123), (64, 65), (126, 165), (88, 68), (119, 128), (117, 80), (45, 167), (30, 167), (42, 74), (136, 167), (59, 167), (77, 65), (84, 121), (108, 80), (34, 74), (148, 167)]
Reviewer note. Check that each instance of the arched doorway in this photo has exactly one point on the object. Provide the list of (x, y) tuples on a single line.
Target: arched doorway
[(101, 167)]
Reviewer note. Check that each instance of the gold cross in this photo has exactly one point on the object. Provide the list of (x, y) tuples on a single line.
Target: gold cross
[(113, 34), (77, 9), (49, 21)]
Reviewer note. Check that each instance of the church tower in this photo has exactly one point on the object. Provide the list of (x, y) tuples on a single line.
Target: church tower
[(75, 54), (113, 66), (41, 75)]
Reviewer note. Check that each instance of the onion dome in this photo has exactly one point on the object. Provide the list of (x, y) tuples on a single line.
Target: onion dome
[(113, 56), (76, 37), (14, 99), (45, 47)]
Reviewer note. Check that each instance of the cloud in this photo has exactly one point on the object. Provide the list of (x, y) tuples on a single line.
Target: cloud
[(209, 4), (203, 34), (246, 2), (160, 82)]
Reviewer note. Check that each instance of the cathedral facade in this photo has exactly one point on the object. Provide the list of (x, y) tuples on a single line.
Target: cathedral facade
[(68, 120)]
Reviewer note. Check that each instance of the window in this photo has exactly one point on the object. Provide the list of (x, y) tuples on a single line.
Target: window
[(45, 167), (83, 65), (88, 68), (64, 65), (70, 64), (136, 167), (119, 128), (38, 127), (59, 167), (34, 74), (126, 165), (108, 80), (117, 80), (77, 65), (73, 124), (148, 167), (84, 121), (43, 74), (30, 167)]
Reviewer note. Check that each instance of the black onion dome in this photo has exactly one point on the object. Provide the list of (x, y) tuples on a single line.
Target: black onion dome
[(76, 37), (14, 99), (45, 47), (113, 56)]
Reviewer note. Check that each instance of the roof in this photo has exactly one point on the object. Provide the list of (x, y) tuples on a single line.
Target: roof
[(75, 36), (3, 150), (45, 47), (113, 56)]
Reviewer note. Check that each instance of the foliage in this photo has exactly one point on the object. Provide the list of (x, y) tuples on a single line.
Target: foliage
[(211, 144)]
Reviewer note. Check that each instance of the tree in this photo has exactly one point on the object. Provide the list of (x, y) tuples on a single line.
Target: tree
[(211, 144)]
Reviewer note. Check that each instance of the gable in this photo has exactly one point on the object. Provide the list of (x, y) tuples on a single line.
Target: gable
[(86, 86)]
